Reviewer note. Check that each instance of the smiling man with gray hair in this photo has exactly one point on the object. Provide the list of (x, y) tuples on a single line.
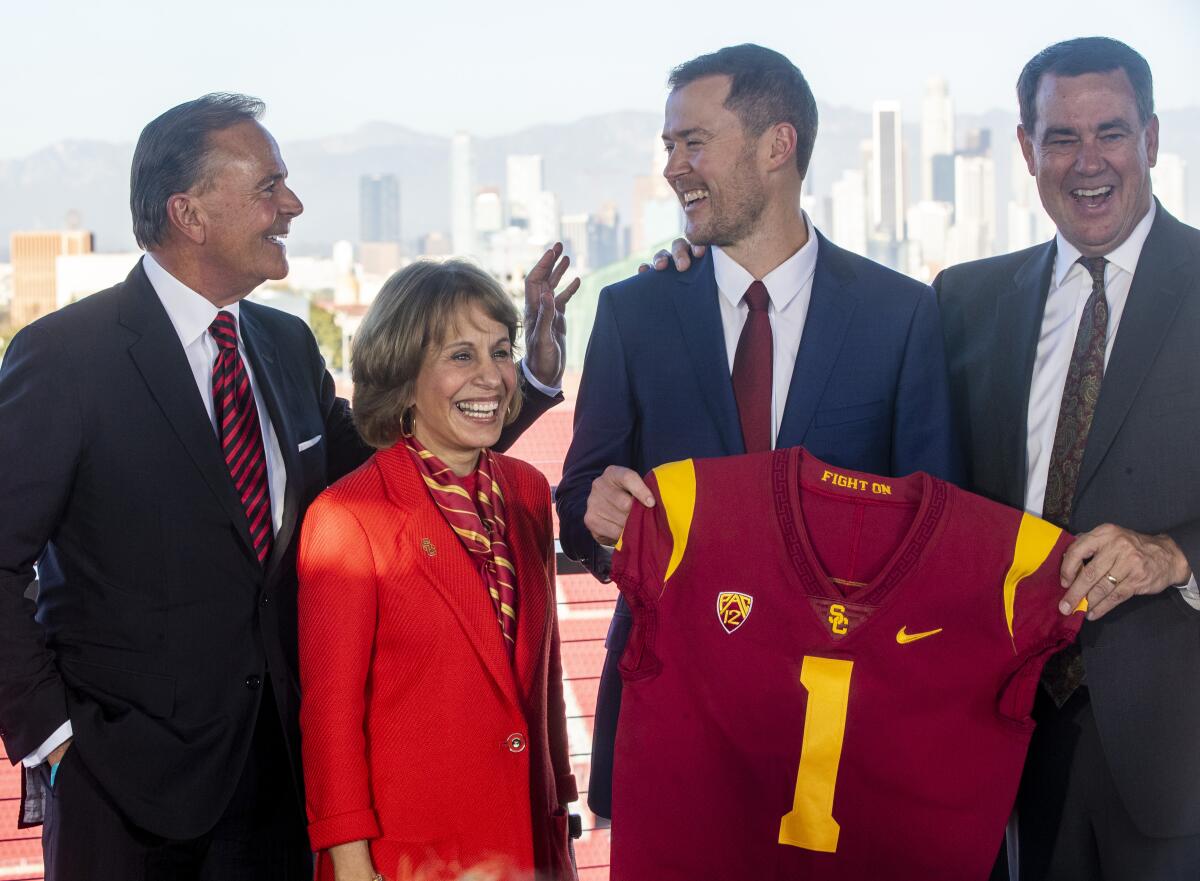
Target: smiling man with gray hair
[(162, 440)]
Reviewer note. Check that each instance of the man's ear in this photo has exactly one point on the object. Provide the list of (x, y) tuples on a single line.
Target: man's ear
[(186, 216), (781, 141), (1025, 139)]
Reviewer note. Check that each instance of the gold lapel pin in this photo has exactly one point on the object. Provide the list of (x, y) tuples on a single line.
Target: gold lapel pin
[(427, 547)]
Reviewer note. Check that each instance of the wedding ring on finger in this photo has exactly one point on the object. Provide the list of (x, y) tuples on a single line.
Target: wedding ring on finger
[(1113, 581)]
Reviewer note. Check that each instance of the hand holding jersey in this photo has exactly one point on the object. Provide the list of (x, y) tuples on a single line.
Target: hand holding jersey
[(853, 660)]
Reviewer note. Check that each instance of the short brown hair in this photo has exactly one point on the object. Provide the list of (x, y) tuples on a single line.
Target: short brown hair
[(416, 308), (765, 88)]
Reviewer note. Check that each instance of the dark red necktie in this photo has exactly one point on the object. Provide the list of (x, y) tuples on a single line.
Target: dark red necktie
[(241, 435), (752, 372)]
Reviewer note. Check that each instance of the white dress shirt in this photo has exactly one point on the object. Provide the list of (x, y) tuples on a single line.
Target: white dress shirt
[(789, 287), (191, 314), (1070, 288)]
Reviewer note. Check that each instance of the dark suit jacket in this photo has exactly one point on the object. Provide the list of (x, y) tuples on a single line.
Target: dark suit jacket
[(1140, 470), (155, 625), (868, 392)]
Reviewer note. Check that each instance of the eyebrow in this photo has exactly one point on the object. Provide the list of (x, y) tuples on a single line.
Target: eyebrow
[(271, 179), (452, 343), (686, 133), (1117, 124)]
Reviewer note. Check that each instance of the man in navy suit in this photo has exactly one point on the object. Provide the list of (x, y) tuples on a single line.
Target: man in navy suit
[(837, 353)]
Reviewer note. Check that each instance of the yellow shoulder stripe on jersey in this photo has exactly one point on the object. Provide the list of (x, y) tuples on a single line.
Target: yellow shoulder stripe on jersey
[(1035, 540), (677, 495), (677, 490)]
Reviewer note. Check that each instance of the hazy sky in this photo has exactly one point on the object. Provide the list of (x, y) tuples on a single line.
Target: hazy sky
[(102, 70)]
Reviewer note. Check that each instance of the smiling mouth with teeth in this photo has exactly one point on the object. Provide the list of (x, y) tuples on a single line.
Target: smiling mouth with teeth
[(478, 409), (278, 239), (691, 197), (1093, 196)]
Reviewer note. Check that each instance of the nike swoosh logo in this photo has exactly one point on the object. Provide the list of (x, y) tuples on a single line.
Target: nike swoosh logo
[(903, 637)]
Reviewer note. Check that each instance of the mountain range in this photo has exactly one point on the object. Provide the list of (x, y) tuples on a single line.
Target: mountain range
[(588, 162)]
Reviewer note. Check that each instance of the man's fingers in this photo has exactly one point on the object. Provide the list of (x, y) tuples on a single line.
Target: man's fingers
[(698, 251), (682, 254), (644, 267), (1081, 550), (633, 484)]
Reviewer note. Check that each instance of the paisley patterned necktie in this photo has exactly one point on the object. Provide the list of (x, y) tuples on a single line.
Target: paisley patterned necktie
[(1064, 672)]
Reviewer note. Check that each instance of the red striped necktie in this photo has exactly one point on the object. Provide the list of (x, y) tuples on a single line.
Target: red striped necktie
[(241, 434)]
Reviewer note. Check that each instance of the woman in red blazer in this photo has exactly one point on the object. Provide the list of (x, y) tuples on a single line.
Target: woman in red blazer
[(434, 729)]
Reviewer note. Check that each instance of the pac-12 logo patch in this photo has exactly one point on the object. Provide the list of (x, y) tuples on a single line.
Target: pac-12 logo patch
[(733, 609)]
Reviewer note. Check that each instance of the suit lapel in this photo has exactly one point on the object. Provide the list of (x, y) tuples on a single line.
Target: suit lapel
[(447, 567), (159, 357), (830, 309), (272, 386), (695, 297), (1159, 286), (1019, 311)]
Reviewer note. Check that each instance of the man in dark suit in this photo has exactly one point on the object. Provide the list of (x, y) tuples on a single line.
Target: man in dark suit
[(775, 338), (1075, 372), (161, 442)]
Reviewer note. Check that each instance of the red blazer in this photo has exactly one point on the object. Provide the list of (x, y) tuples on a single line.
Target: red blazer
[(417, 732)]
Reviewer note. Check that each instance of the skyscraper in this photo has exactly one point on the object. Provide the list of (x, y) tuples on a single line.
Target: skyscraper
[(937, 134), (1169, 178), (523, 186), (379, 223), (973, 236), (378, 208), (34, 277), (887, 169), (1028, 222), (462, 197), (849, 209)]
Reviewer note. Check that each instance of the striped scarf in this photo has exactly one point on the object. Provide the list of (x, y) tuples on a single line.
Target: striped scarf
[(479, 524)]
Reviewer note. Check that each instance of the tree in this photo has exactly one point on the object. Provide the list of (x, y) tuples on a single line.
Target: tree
[(329, 335)]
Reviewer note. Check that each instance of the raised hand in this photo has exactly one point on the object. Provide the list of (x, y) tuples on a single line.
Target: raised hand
[(545, 317)]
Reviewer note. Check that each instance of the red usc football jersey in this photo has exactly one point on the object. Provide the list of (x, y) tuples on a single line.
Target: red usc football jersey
[(829, 674)]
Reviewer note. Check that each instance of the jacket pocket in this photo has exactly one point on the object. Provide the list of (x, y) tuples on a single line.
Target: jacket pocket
[(152, 693), (853, 413)]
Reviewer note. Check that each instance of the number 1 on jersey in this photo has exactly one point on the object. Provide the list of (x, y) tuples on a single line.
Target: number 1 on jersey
[(810, 823)]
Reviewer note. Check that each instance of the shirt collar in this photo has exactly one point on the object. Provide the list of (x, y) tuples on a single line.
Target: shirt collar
[(783, 282), (1124, 256), (190, 313)]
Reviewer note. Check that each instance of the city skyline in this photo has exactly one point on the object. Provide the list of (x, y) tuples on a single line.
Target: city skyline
[(513, 68)]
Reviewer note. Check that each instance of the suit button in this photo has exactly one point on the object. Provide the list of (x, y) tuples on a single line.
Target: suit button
[(253, 682), (515, 743), (266, 600)]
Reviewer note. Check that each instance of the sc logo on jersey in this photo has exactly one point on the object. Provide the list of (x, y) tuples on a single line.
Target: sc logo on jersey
[(837, 619), (733, 609)]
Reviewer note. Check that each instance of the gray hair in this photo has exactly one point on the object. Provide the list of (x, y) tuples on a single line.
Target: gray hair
[(172, 157)]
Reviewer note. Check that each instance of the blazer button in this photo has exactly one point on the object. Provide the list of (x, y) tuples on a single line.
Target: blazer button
[(253, 682), (515, 743)]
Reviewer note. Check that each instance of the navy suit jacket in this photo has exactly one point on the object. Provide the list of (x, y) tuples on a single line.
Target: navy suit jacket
[(869, 392)]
